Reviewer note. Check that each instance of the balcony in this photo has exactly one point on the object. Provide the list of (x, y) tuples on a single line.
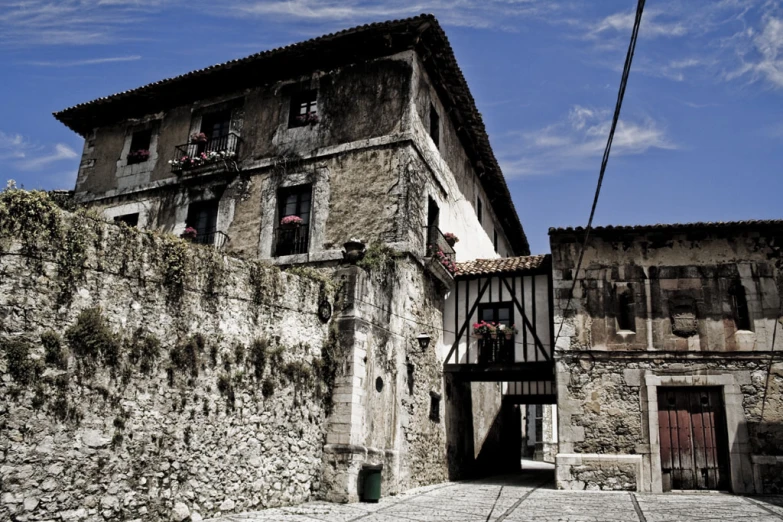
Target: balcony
[(214, 238), (212, 154), (291, 241), (441, 258)]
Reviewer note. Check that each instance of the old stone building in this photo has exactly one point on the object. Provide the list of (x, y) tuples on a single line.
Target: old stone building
[(667, 373), (280, 159)]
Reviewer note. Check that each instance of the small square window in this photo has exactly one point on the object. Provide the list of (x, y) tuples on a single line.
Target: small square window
[(304, 108), (140, 146), (434, 126), (132, 220)]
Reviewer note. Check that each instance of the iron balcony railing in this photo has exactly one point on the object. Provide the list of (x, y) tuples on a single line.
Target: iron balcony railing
[(495, 350), (439, 248), (290, 241), (214, 238), (209, 152)]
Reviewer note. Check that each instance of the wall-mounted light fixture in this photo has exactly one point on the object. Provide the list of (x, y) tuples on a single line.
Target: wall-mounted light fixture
[(424, 340)]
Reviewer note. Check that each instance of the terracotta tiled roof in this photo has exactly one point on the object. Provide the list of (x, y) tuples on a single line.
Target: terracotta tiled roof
[(663, 227), (354, 45), (502, 265)]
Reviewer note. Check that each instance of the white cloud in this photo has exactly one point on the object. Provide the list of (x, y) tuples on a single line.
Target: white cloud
[(61, 152), (623, 23), (89, 61), (578, 142), (762, 59)]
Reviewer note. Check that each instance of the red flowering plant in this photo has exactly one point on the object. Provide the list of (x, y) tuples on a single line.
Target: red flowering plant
[(190, 234), (137, 156), (482, 329), (310, 117), (198, 137), (450, 238), (290, 221)]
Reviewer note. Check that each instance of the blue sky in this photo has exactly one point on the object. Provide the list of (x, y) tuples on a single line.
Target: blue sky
[(701, 134)]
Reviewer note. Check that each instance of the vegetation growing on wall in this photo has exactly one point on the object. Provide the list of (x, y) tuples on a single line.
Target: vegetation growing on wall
[(92, 340)]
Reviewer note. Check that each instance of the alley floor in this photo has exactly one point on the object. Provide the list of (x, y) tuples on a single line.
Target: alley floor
[(529, 495)]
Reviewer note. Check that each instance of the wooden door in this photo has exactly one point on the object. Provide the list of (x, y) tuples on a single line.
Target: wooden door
[(694, 449)]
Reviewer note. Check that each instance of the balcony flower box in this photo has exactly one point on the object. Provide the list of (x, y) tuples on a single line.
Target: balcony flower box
[(138, 156), (190, 234), (309, 118), (204, 158), (291, 222), (484, 329)]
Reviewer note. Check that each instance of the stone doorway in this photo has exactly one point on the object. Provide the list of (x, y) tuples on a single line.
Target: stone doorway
[(693, 439)]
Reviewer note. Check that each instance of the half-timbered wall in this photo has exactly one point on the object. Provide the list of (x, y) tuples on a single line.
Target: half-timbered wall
[(529, 296)]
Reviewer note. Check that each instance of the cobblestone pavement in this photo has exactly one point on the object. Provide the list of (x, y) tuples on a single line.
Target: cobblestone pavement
[(527, 496)]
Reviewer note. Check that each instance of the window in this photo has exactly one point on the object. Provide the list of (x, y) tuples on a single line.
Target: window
[(539, 421), (434, 406), (304, 108), (294, 201), (498, 349), (739, 306), (479, 210), (216, 124), (626, 316), (140, 146), (132, 220), (496, 313), (434, 126), (203, 217), (495, 239)]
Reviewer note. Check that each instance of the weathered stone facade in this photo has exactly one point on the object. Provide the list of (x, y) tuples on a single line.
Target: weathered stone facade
[(203, 389), (686, 306)]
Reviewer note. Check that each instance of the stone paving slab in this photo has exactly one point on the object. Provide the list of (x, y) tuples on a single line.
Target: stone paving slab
[(528, 496)]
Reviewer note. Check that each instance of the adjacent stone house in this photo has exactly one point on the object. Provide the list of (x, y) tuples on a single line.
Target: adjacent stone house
[(668, 374)]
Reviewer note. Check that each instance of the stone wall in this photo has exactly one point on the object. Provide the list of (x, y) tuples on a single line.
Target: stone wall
[(141, 374)]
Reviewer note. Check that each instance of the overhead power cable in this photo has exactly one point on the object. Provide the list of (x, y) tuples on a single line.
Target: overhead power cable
[(605, 159)]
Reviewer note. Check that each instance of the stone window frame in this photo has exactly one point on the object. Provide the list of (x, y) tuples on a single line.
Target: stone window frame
[(623, 291), (738, 299), (123, 168), (184, 199), (143, 208), (319, 213), (740, 465)]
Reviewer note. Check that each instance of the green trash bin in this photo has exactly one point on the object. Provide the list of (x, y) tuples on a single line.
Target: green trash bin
[(372, 482)]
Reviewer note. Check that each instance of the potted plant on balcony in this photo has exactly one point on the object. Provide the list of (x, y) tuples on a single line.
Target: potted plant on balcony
[(509, 331), (354, 250), (451, 239), (291, 222), (190, 234), (198, 137), (310, 117), (138, 156), (482, 329)]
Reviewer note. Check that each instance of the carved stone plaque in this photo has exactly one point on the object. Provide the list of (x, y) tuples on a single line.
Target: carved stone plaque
[(684, 324)]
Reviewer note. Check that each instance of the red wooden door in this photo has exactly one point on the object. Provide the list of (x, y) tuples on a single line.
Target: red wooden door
[(694, 451)]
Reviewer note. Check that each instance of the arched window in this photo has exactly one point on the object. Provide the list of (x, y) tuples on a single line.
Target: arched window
[(739, 306), (625, 311)]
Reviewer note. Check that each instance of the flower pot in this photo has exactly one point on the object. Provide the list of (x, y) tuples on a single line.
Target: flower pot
[(478, 335), (493, 335), (290, 226), (354, 251), (509, 336)]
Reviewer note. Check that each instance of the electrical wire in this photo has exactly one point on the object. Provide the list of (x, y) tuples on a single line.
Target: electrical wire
[(605, 159)]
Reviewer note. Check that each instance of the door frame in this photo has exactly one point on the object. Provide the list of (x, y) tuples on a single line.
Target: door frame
[(739, 461)]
